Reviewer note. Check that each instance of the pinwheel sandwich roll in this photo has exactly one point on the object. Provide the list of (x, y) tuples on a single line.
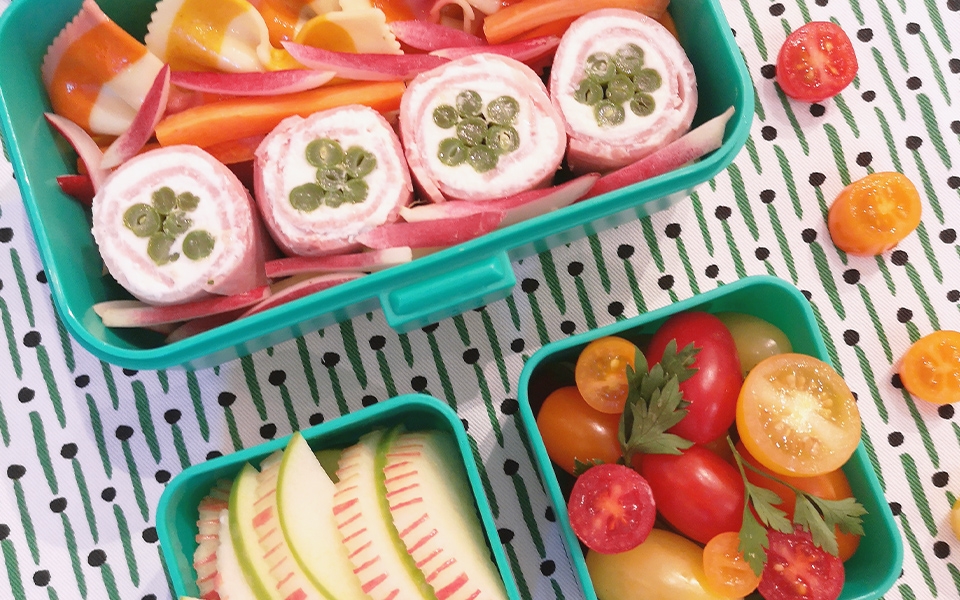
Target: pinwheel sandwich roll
[(624, 86), (322, 180), (479, 128), (174, 225)]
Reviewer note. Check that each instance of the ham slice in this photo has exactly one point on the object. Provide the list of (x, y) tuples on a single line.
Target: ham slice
[(540, 139), (208, 241), (317, 210), (663, 114)]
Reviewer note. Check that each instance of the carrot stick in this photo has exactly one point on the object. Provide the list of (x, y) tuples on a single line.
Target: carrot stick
[(556, 27), (667, 21), (235, 118), (512, 21)]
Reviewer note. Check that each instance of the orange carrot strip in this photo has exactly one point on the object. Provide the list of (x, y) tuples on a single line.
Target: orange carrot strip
[(667, 21), (556, 27), (236, 118), (514, 20), (235, 151)]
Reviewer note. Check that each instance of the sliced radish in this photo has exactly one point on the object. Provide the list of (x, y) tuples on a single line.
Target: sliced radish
[(374, 260), (133, 313), (524, 51), (140, 131), (86, 148), (301, 289), (78, 187), (691, 146), (270, 83), (364, 67), (431, 234), (427, 36)]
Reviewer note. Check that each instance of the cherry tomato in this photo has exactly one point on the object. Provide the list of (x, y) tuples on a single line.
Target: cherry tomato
[(930, 369), (712, 391), (816, 62), (755, 338), (611, 508), (829, 486), (601, 372), (666, 566), (572, 429), (725, 568), (797, 416), (874, 214), (697, 492), (796, 569), (955, 518)]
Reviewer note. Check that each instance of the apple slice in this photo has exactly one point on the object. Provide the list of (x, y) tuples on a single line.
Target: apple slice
[(287, 293), (133, 313), (243, 535), (78, 187), (86, 148), (304, 513), (131, 141), (231, 582), (375, 260), (269, 83), (432, 234), (380, 559), (364, 67), (523, 51), (433, 509), (427, 36)]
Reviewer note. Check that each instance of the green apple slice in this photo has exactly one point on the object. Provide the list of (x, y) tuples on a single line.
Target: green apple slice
[(305, 513), (241, 516), (433, 509), (231, 581), (380, 559)]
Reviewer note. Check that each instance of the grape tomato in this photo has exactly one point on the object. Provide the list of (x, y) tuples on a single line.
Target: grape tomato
[(755, 338), (930, 369), (796, 569), (874, 214), (797, 416), (601, 372), (955, 518), (611, 508), (816, 62), (725, 568), (712, 391), (573, 430)]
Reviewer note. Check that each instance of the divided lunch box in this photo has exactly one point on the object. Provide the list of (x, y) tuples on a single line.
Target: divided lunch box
[(177, 510), (875, 566), (426, 290)]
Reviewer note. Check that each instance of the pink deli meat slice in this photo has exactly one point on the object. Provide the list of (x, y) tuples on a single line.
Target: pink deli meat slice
[(539, 128), (329, 224), (220, 216), (602, 147)]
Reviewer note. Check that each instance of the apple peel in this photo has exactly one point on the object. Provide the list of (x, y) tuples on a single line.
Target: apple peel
[(374, 260), (78, 187), (694, 144), (427, 36), (86, 148), (269, 83), (433, 233), (151, 110), (300, 289), (364, 67), (133, 313), (523, 51)]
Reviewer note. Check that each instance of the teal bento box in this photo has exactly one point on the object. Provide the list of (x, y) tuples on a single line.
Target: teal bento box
[(177, 510), (426, 290), (875, 566)]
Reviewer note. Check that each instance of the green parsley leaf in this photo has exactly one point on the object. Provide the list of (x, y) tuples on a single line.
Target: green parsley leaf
[(764, 502), (579, 466), (806, 515), (754, 541)]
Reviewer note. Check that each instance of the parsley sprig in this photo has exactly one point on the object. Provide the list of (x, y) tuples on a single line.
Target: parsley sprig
[(816, 515)]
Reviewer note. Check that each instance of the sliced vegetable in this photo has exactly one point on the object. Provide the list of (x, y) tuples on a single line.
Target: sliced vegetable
[(428, 37), (874, 213), (516, 19), (574, 432), (726, 570), (611, 508), (133, 313), (816, 62), (131, 141), (364, 67), (930, 369), (270, 83), (798, 570)]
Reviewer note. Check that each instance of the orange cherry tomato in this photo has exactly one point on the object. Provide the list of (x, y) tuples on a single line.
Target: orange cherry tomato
[(601, 373), (796, 415), (726, 570), (829, 486), (873, 214), (930, 369), (955, 518), (572, 429)]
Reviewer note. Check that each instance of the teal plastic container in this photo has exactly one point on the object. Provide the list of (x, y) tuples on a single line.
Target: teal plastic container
[(177, 510), (413, 295), (872, 571)]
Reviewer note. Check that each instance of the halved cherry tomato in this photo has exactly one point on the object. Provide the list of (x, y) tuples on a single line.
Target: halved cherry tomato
[(572, 429), (601, 372), (697, 492), (796, 569), (874, 214), (930, 369), (712, 390), (829, 486), (611, 508), (816, 62), (797, 416), (755, 338), (955, 518), (726, 569)]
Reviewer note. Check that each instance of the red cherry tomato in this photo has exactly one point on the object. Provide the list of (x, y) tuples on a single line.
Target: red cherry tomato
[(697, 492), (796, 569), (816, 62), (713, 390), (573, 430), (611, 508)]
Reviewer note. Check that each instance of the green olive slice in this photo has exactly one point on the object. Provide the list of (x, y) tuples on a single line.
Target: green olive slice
[(469, 103), (608, 114), (198, 244), (452, 152), (306, 197), (445, 116), (142, 219), (359, 162), (164, 200), (503, 110), (324, 152)]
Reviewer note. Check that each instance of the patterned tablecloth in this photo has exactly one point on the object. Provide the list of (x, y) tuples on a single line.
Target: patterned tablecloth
[(87, 448)]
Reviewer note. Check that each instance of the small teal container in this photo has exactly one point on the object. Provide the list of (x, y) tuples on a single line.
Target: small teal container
[(177, 509), (872, 571), (413, 295)]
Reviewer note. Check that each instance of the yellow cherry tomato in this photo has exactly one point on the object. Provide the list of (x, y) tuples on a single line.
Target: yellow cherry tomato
[(874, 214), (726, 569), (601, 373), (930, 369), (955, 518)]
